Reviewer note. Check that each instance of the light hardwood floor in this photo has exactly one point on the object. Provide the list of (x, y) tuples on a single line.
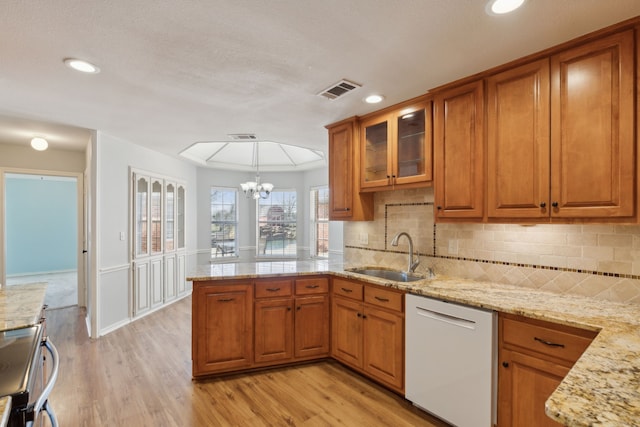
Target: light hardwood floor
[(140, 375)]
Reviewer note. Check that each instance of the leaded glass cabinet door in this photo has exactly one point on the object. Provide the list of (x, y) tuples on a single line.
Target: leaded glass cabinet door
[(169, 217), (155, 229), (180, 212), (141, 215)]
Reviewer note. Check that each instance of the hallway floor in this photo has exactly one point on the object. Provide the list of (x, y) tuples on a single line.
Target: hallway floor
[(62, 290)]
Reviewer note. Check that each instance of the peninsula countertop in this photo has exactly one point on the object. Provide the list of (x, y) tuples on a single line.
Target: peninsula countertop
[(602, 388), (21, 305)]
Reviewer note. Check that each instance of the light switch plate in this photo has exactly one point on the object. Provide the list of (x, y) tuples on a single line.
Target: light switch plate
[(363, 238), (122, 235)]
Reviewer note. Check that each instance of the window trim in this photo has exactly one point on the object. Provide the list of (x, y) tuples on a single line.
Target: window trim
[(236, 253), (313, 221), (263, 257)]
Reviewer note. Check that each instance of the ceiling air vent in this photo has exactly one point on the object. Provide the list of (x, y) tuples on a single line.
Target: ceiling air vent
[(339, 89), (242, 136)]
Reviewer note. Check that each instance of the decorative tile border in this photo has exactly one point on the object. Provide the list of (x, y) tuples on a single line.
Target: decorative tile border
[(482, 261)]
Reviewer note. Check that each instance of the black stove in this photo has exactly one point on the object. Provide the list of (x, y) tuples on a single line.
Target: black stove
[(20, 359)]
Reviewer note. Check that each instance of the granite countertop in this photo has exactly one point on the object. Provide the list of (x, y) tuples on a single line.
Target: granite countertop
[(602, 388), (21, 305)]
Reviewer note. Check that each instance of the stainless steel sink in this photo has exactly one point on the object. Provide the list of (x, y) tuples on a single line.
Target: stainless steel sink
[(396, 276)]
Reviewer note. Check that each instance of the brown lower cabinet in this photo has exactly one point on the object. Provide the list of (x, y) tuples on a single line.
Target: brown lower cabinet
[(534, 357), (368, 330), (240, 325)]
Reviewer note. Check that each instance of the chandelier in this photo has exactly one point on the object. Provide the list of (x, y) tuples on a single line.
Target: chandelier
[(256, 189)]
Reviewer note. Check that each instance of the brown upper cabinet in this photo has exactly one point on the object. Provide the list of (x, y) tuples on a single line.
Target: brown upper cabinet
[(396, 147), (459, 152), (560, 135), (345, 201)]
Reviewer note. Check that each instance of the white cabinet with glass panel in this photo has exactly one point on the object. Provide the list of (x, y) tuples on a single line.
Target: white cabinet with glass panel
[(158, 212)]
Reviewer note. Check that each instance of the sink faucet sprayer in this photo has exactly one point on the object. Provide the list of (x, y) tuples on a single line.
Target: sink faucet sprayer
[(412, 263)]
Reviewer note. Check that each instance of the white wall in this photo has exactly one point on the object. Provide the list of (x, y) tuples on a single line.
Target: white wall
[(114, 157)]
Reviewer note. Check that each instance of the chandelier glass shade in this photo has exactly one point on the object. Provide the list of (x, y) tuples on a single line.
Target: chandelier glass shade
[(256, 189)]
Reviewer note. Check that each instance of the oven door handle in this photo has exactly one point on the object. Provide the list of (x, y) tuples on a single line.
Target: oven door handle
[(42, 403)]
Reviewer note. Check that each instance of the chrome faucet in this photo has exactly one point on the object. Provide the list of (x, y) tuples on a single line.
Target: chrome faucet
[(412, 263)]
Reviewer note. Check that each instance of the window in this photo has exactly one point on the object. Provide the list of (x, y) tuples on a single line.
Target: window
[(277, 216), (320, 222), (224, 222)]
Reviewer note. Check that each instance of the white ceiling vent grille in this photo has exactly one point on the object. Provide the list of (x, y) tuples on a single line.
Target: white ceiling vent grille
[(242, 136), (337, 90)]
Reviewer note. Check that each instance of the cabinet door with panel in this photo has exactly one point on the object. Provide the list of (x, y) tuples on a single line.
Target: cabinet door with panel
[(273, 326), (383, 345), (273, 332), (222, 328), (534, 358), (346, 329), (345, 201), (592, 129), (459, 152), (312, 317), (518, 142)]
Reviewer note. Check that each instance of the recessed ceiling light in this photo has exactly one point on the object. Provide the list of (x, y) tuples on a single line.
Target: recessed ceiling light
[(373, 99), (39, 144), (500, 7), (82, 66)]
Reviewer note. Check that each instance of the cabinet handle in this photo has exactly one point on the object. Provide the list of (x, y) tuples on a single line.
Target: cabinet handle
[(347, 290), (543, 205), (554, 204), (364, 316), (288, 308), (225, 299), (505, 364), (298, 308), (273, 289), (439, 208), (388, 176), (312, 286), (346, 209), (549, 343), (382, 299), (359, 314)]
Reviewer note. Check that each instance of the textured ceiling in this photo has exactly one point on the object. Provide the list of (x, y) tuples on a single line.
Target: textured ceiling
[(175, 73)]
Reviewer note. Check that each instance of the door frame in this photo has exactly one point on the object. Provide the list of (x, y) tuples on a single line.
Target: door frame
[(80, 244)]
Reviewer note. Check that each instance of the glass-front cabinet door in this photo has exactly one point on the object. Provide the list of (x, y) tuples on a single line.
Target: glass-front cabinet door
[(180, 206), (156, 216), (413, 158), (396, 148), (169, 216), (376, 152), (141, 215)]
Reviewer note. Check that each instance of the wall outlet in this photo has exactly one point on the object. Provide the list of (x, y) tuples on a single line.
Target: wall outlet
[(363, 238), (453, 247), (122, 235)]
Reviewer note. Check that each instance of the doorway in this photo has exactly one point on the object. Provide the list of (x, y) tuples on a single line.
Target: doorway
[(43, 234)]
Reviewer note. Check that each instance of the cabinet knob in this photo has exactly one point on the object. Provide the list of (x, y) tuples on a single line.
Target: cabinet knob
[(439, 207), (554, 204), (505, 364), (543, 204), (359, 314), (288, 308), (298, 308)]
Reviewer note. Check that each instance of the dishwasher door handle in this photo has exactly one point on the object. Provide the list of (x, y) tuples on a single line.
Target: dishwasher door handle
[(447, 318)]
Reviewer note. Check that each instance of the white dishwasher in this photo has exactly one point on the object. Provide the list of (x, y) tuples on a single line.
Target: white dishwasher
[(450, 361)]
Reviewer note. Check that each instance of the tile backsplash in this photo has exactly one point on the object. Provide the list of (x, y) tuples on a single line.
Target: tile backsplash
[(600, 261)]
